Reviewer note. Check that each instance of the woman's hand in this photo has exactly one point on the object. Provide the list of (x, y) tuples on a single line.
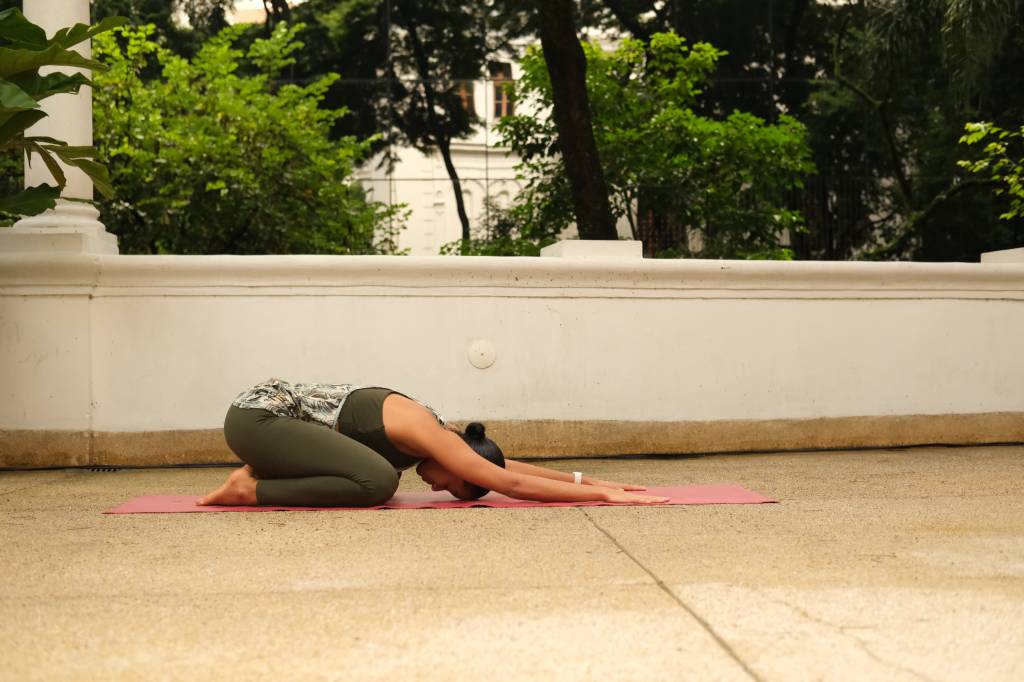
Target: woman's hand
[(621, 496), (609, 484)]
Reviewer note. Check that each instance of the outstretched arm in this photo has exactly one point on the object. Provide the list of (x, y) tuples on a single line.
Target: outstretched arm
[(542, 472), (421, 433), (460, 459)]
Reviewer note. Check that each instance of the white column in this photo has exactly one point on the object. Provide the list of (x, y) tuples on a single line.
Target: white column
[(71, 226)]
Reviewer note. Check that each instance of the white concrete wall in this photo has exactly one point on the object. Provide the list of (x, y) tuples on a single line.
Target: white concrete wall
[(149, 343)]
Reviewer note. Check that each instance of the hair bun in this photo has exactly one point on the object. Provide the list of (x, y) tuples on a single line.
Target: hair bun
[(475, 430)]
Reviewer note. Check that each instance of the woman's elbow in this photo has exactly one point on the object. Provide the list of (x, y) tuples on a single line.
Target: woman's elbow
[(514, 486)]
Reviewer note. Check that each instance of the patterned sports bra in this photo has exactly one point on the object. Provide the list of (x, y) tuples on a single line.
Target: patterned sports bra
[(317, 403)]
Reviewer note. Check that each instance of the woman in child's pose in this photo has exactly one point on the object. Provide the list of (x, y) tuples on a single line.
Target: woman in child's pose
[(341, 445)]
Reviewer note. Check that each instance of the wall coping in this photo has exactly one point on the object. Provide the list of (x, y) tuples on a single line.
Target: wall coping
[(438, 275)]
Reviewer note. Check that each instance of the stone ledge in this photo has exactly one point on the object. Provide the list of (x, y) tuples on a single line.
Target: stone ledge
[(595, 249), (391, 275), (38, 448), (1004, 256), (554, 438)]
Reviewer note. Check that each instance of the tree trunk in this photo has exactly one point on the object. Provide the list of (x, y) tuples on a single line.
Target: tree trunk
[(460, 205), (567, 67), (440, 137), (276, 11)]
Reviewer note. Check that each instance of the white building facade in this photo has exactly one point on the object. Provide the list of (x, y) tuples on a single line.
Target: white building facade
[(421, 181)]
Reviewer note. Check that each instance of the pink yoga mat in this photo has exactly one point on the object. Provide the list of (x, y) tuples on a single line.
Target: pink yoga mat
[(678, 494)]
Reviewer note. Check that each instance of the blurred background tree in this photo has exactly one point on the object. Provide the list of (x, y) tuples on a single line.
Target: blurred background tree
[(883, 89), (1001, 160), (406, 67), (207, 160), (206, 18), (687, 184)]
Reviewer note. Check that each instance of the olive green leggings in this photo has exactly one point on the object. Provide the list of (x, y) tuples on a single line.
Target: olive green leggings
[(308, 465)]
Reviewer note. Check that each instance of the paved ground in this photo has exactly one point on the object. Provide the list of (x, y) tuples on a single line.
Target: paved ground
[(879, 565)]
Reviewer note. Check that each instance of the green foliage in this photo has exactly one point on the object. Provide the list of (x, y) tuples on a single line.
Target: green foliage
[(1002, 159), (404, 62), (12, 175), (348, 37), (688, 184), (964, 36), (409, 61), (907, 75), (518, 230), (24, 49), (884, 89), (440, 44), (210, 161), (206, 18)]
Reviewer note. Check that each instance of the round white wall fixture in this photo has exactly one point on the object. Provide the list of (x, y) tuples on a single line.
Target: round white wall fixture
[(481, 354)]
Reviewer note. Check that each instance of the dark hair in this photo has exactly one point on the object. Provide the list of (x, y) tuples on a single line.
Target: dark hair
[(486, 448)]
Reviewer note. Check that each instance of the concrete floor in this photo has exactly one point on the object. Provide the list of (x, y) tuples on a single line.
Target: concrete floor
[(877, 565)]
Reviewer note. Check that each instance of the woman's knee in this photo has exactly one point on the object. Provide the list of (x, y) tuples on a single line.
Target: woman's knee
[(367, 490), (381, 486)]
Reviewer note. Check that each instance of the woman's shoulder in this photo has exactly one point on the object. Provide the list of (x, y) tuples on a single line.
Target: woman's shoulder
[(410, 424), (437, 415)]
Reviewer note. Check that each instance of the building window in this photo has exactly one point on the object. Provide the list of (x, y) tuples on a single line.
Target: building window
[(465, 92), (501, 76)]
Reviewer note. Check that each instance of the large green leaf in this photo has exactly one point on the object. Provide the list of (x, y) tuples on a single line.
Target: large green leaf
[(98, 173), (13, 61), (20, 32), (44, 138), (68, 152), (14, 124), (13, 98), (51, 164), (41, 87), (60, 148), (78, 156), (31, 201), (66, 37)]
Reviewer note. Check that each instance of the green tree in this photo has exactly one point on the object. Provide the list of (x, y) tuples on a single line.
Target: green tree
[(406, 64), (350, 38), (277, 11), (1002, 160), (440, 43), (12, 180), (884, 89), (571, 111), (917, 72), (521, 229), (206, 18), (688, 184), (210, 161)]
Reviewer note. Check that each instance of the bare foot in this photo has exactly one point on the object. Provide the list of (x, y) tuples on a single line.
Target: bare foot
[(238, 490)]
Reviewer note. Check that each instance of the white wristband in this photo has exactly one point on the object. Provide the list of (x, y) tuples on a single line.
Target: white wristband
[(577, 477)]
